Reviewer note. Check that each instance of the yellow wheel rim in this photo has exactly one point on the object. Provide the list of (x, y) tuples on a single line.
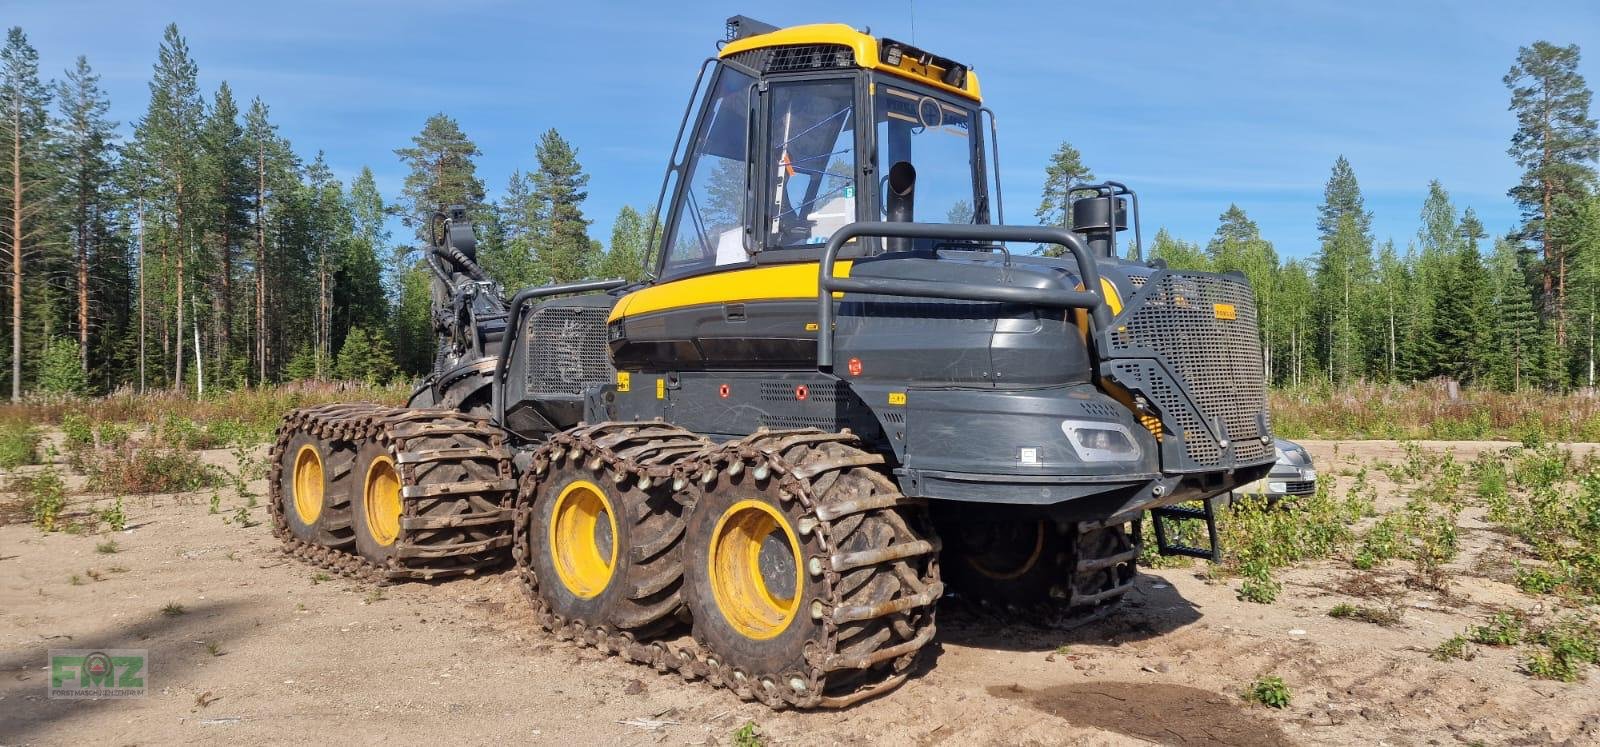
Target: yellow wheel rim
[(584, 560), (308, 483), (751, 572), (381, 491), (1006, 574)]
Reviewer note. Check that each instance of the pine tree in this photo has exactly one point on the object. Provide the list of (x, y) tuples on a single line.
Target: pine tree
[(1434, 268), (1516, 337), (565, 251), (359, 299), (1064, 170), (1556, 143), (225, 191), (27, 171), (1577, 227), (167, 141), (1343, 273), (510, 260), (442, 174), (88, 142), (1341, 196), (630, 242), (270, 165)]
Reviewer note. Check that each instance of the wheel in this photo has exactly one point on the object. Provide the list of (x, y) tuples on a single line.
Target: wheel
[(376, 503), (607, 552), (807, 590), (312, 492), (1033, 561)]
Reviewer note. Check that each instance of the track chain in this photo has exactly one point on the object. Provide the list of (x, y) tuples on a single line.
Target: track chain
[(436, 551), (668, 457)]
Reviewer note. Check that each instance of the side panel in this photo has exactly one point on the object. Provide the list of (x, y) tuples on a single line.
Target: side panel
[(557, 357)]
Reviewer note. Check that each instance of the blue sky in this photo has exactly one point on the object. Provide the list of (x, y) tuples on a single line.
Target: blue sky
[(1196, 105)]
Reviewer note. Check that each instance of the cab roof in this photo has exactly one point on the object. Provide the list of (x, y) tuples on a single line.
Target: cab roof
[(871, 53)]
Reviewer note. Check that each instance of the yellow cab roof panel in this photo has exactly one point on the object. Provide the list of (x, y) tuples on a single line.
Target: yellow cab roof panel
[(866, 54)]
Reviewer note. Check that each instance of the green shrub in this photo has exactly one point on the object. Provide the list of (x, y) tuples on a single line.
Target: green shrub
[(1269, 691), (1454, 647), (19, 444), (60, 369), (45, 496), (1505, 629)]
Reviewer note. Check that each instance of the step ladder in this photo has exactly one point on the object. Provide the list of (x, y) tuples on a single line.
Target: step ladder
[(1167, 542)]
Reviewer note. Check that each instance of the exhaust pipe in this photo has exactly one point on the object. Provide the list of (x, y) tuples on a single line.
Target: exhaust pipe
[(900, 199)]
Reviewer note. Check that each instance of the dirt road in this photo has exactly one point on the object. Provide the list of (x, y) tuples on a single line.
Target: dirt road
[(266, 650)]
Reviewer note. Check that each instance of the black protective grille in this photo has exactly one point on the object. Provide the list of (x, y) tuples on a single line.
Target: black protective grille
[(796, 58), (1184, 319), (568, 350), (1303, 487)]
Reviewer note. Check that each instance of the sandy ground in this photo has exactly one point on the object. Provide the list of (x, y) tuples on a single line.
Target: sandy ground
[(270, 651)]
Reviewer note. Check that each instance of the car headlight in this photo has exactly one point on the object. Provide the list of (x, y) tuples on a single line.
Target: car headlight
[(1098, 441)]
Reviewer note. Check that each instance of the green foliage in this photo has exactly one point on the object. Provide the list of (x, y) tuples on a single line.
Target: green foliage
[(1064, 169), (1563, 648), (114, 517), (1346, 611), (748, 735), (19, 444), (139, 469), (1454, 647), (45, 495), (1504, 629), (1269, 691), (60, 371), (364, 358)]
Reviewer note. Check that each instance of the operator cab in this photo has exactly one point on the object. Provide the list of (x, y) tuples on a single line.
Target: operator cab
[(796, 135)]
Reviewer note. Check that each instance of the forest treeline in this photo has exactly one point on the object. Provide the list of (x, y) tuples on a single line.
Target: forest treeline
[(1513, 311), (198, 246)]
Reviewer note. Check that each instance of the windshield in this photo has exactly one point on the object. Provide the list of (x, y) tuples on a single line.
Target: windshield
[(812, 159), (935, 136), (709, 230)]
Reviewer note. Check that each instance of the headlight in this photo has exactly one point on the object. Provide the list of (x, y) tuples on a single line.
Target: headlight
[(1281, 455), (1098, 441)]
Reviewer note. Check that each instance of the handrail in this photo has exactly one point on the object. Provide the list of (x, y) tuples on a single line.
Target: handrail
[(827, 284), (514, 323)]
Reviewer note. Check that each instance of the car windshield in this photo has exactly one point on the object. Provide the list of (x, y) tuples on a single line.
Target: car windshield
[(935, 136)]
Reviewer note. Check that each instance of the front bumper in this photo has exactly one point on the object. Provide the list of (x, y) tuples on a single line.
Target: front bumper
[(1282, 482)]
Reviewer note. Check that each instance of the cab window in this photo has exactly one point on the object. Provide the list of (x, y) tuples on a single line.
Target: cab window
[(811, 162), (709, 230), (935, 137)]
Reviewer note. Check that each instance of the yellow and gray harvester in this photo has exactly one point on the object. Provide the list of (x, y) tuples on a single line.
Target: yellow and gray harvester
[(838, 398)]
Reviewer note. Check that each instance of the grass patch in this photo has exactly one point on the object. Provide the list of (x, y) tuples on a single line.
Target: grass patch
[(1423, 411), (109, 547), (1386, 617), (173, 609), (140, 469), (1504, 629)]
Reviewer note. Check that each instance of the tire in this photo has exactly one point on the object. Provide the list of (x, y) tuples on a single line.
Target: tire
[(1034, 561), (756, 522), (626, 570), (311, 465), (376, 505)]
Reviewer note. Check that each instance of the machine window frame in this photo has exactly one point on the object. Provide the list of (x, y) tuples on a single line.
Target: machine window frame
[(691, 163)]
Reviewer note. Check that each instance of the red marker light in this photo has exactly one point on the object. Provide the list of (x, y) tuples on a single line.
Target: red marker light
[(722, 391), (801, 392), (855, 366)]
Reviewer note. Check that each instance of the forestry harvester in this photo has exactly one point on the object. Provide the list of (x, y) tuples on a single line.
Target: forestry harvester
[(839, 397)]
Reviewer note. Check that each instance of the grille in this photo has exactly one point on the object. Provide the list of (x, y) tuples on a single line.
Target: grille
[(567, 350), (1306, 487), (1137, 280), (797, 58), (1219, 360), (778, 391)]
